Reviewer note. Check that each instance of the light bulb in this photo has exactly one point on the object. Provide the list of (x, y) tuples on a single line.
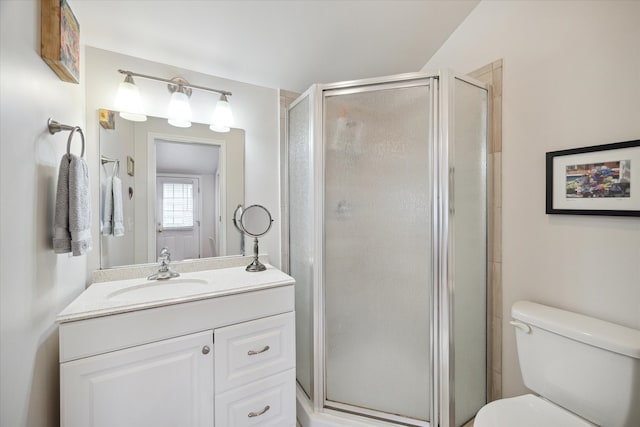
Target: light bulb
[(179, 110), (222, 120), (128, 101)]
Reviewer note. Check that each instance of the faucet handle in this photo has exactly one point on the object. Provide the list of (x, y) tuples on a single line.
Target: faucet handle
[(165, 255)]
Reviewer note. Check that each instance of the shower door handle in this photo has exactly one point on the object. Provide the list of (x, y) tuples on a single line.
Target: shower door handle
[(452, 209)]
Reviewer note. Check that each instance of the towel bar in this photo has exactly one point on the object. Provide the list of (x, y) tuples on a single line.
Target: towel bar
[(55, 127), (105, 159), (116, 166)]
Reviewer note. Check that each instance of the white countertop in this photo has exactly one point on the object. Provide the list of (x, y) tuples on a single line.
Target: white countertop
[(106, 298)]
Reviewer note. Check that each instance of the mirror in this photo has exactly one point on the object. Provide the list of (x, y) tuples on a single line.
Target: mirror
[(254, 221), (179, 189)]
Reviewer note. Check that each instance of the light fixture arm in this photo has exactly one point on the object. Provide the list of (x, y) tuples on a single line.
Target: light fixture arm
[(189, 85)]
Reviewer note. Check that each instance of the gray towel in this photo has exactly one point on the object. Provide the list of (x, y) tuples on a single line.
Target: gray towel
[(61, 236), (118, 217), (72, 221), (79, 206)]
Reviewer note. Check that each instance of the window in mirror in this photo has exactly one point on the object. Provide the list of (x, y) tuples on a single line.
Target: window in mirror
[(177, 205)]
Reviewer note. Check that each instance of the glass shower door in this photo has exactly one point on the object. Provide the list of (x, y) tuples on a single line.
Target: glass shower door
[(377, 250), (300, 196)]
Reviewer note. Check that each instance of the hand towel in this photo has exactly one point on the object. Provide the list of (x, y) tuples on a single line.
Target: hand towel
[(61, 236), (107, 212), (79, 206), (118, 217)]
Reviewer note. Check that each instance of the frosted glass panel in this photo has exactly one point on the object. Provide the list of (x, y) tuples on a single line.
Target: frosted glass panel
[(301, 237), (470, 243), (377, 250)]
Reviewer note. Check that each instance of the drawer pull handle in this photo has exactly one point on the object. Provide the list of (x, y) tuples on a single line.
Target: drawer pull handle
[(257, 414), (206, 349), (253, 352)]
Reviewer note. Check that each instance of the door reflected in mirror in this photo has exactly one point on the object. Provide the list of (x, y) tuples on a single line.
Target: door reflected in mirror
[(187, 183)]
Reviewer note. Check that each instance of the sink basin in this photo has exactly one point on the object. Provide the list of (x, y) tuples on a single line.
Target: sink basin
[(160, 289)]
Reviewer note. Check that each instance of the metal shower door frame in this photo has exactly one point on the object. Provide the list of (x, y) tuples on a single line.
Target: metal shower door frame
[(441, 140), (321, 403)]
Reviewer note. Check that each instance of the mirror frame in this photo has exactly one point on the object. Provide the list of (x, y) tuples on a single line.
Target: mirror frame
[(215, 139)]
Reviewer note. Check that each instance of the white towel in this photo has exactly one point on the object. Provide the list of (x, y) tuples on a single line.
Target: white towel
[(118, 217), (72, 220), (107, 207)]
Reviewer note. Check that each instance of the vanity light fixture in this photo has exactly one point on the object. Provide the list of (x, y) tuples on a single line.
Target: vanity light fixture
[(179, 111)]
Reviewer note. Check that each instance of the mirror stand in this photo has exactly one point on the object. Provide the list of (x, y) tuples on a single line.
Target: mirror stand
[(254, 221), (256, 265)]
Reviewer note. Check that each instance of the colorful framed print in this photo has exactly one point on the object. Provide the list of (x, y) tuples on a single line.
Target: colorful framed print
[(597, 180), (131, 166), (60, 39)]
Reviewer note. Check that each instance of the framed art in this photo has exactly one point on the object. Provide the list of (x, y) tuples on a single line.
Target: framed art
[(131, 166), (597, 180), (60, 39), (107, 118)]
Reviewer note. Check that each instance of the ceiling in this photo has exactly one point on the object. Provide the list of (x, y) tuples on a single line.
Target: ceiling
[(194, 159), (279, 44)]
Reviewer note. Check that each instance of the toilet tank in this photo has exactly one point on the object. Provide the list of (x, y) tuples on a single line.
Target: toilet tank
[(588, 366)]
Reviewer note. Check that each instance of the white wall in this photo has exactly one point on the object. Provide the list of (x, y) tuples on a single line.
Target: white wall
[(35, 283), (571, 79), (255, 110)]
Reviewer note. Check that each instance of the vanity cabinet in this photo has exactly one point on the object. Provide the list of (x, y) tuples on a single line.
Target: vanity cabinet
[(225, 359)]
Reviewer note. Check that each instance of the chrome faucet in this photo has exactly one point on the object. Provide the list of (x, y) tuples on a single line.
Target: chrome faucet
[(164, 272)]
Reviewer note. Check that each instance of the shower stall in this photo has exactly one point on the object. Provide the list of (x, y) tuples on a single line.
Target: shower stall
[(386, 236)]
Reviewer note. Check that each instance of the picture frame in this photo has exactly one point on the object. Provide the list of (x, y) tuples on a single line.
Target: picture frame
[(60, 39), (596, 180), (131, 166), (107, 118)]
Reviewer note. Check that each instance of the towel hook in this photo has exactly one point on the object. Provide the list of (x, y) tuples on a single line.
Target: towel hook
[(74, 130)]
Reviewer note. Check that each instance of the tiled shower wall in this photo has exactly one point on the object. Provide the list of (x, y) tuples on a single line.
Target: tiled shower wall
[(492, 75)]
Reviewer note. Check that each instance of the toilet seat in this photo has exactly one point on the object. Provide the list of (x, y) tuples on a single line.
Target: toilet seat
[(526, 411)]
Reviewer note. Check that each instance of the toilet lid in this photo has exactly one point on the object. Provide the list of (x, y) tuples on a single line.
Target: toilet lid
[(526, 411)]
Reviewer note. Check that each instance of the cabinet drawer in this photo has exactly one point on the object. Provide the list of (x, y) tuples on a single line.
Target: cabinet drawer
[(253, 350), (268, 402)]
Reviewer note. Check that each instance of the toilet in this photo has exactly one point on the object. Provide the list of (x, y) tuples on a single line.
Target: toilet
[(583, 371)]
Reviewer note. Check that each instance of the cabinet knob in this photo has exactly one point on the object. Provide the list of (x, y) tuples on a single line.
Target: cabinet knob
[(206, 349)]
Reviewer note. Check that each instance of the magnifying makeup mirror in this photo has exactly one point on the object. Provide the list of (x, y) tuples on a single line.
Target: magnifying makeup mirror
[(254, 221)]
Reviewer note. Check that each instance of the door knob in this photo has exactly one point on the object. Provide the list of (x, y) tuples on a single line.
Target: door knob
[(206, 349)]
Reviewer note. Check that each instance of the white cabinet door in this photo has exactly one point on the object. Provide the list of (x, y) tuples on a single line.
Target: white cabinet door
[(166, 383)]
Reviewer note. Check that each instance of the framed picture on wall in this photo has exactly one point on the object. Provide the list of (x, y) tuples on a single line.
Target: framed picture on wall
[(60, 39), (597, 180), (131, 166)]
